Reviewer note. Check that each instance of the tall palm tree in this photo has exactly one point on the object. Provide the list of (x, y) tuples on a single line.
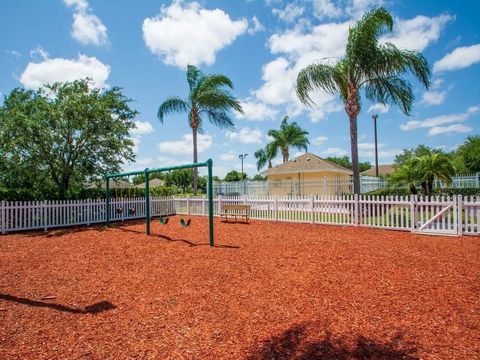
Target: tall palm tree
[(289, 135), (265, 156), (368, 65), (434, 166), (207, 98)]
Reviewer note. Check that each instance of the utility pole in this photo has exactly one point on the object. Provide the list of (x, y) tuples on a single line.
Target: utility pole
[(375, 117)]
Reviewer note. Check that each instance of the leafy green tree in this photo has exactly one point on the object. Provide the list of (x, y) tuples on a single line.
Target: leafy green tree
[(208, 99), (368, 65), (346, 163), (409, 154), (235, 175), (265, 156), (289, 135), (469, 154), (54, 138), (259, 177), (181, 178)]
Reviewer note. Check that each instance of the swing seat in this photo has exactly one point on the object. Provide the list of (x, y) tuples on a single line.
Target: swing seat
[(163, 220), (132, 211), (185, 223)]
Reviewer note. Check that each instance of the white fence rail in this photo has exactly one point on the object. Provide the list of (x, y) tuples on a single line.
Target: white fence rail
[(439, 215)]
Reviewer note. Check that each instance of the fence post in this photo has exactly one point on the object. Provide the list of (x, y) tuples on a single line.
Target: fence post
[(459, 215), (203, 205), (356, 210), (4, 226), (312, 214), (413, 212), (219, 209), (45, 214), (188, 205), (276, 207)]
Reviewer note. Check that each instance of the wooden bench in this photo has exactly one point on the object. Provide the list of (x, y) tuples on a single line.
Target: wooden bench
[(235, 211)]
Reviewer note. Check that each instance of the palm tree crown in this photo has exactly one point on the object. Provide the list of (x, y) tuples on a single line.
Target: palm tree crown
[(207, 99), (376, 68), (265, 156), (289, 135)]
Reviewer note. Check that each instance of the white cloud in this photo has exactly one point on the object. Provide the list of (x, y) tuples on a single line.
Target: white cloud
[(459, 58), (228, 156), (87, 28), (439, 120), (58, 69), (290, 13), (326, 9), (186, 33), (256, 26), (379, 108), (185, 145), (78, 4), (319, 140), (433, 97), (246, 135), (419, 32), (256, 111), (142, 128), (38, 54), (367, 150), (144, 161), (334, 151), (456, 128), (164, 161)]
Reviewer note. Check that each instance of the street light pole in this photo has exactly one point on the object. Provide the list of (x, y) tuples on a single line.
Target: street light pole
[(242, 157), (375, 117)]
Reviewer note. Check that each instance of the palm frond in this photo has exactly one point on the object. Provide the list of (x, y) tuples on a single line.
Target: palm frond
[(172, 105), (331, 79), (393, 91)]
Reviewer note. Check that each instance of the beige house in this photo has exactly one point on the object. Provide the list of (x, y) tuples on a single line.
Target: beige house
[(308, 174)]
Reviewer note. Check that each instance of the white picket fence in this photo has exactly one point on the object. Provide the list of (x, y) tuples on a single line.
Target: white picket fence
[(439, 215)]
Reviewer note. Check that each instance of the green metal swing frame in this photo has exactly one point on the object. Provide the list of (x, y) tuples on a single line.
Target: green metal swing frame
[(208, 164)]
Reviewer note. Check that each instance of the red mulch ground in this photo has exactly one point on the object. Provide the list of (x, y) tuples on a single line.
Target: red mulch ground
[(268, 291)]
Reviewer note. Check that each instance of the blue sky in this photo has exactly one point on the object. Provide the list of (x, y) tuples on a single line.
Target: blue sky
[(144, 46)]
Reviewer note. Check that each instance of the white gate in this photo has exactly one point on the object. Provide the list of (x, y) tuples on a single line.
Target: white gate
[(436, 215)]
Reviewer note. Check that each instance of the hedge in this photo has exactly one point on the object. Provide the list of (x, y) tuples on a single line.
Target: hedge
[(439, 192), (79, 194)]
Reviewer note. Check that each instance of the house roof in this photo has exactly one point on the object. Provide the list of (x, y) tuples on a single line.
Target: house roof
[(382, 170), (307, 162), (113, 184), (152, 183)]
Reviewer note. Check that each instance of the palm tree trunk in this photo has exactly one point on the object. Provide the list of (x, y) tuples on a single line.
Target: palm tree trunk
[(194, 124), (354, 152), (195, 160)]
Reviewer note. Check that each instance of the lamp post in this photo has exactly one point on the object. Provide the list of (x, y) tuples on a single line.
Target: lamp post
[(375, 117), (242, 157)]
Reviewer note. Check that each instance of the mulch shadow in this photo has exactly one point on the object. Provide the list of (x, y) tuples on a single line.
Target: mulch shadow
[(90, 309), (302, 342)]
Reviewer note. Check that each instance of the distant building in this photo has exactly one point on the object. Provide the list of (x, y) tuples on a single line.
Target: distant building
[(308, 174), (383, 170), (152, 183)]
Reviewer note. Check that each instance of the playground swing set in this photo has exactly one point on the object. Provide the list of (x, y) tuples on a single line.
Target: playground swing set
[(163, 219)]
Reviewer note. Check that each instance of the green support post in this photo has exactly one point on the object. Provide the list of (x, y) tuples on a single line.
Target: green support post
[(147, 200), (210, 202), (107, 198)]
